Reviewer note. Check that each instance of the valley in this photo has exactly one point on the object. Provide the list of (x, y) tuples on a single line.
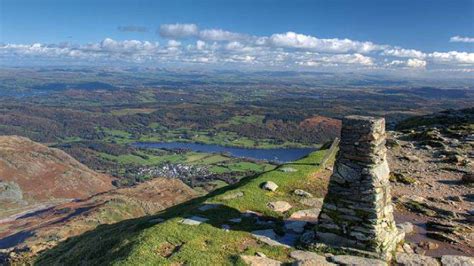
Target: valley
[(103, 151)]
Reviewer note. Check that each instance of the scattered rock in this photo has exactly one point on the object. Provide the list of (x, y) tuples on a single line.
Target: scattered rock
[(419, 250), (421, 205), (456, 198), (307, 258), (452, 260), (261, 254), (233, 195), (279, 206), (288, 169), (392, 143), (415, 198), (194, 220), (402, 178), (443, 230), (312, 202), (269, 237), (444, 237), (407, 248), (428, 245), (406, 227), (259, 261), (356, 261), (412, 158), (405, 259), (302, 193), (235, 220), (209, 206), (269, 185), (309, 215), (305, 255)]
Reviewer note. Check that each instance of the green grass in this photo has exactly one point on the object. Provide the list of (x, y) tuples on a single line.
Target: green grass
[(144, 159), (143, 242), (116, 133), (256, 199), (224, 138), (206, 158)]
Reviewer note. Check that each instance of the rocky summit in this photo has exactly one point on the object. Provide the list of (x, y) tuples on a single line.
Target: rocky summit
[(357, 211)]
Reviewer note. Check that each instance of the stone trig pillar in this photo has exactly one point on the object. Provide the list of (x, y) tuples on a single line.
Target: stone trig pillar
[(357, 211)]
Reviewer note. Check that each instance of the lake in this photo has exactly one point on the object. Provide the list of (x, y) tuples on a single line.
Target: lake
[(281, 155)]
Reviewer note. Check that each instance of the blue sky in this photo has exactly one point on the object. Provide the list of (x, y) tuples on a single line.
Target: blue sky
[(433, 28)]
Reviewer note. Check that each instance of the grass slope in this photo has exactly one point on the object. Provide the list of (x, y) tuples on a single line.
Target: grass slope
[(145, 241)]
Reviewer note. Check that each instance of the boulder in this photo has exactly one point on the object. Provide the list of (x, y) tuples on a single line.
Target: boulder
[(209, 206), (302, 193), (270, 186), (407, 248), (428, 245), (279, 206), (309, 215), (356, 261), (194, 220), (453, 260), (269, 237), (404, 259), (306, 255), (259, 261), (312, 202), (306, 258)]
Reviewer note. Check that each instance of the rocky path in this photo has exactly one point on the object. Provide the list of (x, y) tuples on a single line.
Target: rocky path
[(431, 190)]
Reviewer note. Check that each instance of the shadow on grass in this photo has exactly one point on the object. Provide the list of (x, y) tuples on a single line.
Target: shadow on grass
[(111, 242)]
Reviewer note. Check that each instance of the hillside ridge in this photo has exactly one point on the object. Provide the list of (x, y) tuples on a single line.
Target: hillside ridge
[(32, 173)]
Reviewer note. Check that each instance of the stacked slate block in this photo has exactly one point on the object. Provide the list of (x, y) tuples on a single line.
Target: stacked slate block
[(357, 212)]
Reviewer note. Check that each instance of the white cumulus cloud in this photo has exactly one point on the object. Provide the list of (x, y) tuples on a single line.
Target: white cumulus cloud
[(400, 52), (187, 44), (416, 63), (220, 35), (453, 57), (462, 39), (296, 40)]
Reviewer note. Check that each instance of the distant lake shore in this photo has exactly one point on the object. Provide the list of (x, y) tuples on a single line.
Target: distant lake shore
[(279, 155)]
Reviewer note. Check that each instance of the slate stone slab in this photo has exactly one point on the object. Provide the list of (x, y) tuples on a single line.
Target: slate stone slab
[(194, 220)]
